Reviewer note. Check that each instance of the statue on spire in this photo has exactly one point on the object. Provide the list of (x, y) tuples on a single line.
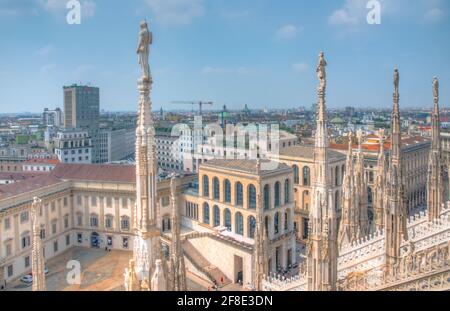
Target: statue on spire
[(321, 73), (396, 80), (436, 87), (143, 49)]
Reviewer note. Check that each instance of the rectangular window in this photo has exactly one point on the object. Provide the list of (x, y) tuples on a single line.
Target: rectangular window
[(68, 239), (8, 250), (54, 227), (80, 238), (7, 223), (42, 233), (10, 271), (66, 221), (165, 201), (24, 217), (27, 261), (94, 222), (79, 220), (125, 224), (108, 222), (55, 246)]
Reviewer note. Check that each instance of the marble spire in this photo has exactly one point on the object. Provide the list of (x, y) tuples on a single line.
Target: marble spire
[(395, 213), (435, 182), (37, 256), (322, 245), (361, 190), (177, 266), (349, 228), (147, 241), (380, 185)]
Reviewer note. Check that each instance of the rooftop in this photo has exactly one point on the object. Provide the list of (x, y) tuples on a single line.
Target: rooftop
[(244, 165), (308, 153), (95, 172)]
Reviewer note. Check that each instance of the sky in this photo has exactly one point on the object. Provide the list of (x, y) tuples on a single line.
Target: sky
[(262, 53)]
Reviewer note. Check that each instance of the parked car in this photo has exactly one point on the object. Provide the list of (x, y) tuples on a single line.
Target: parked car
[(27, 278)]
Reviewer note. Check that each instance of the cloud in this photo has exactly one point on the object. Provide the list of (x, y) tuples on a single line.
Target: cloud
[(207, 70), (46, 50), (14, 8), (240, 71), (434, 15), (83, 72), (300, 67), (176, 12), (47, 68), (352, 13), (287, 32)]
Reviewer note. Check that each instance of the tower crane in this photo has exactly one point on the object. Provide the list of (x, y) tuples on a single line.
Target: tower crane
[(199, 103)]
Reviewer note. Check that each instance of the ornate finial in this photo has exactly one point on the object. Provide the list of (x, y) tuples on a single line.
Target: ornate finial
[(258, 164), (350, 140), (396, 80)]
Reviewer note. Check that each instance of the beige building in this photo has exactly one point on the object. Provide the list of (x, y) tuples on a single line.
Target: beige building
[(82, 205), (301, 160), (226, 203)]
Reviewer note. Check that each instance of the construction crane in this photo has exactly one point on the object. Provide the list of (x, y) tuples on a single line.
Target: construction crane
[(199, 103)]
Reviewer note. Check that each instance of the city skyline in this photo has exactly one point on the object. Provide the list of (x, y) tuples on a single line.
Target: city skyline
[(273, 66)]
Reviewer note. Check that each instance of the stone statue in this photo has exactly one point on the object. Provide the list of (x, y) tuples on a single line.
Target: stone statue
[(321, 73), (396, 80), (436, 87), (143, 49)]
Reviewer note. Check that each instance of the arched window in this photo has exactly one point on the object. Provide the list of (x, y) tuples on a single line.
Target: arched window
[(227, 190), (336, 200), (369, 195), (206, 213), (216, 216), (266, 225), (251, 227), (276, 222), (166, 224), (205, 186), (336, 176), (287, 192), (216, 188), (227, 217), (296, 175), (276, 201), (239, 221), (306, 176), (239, 194), (266, 197), (251, 196)]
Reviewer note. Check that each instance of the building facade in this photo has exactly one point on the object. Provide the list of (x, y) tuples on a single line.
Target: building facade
[(73, 146)]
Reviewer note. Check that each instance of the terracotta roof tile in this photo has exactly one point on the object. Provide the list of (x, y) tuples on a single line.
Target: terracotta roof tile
[(95, 172)]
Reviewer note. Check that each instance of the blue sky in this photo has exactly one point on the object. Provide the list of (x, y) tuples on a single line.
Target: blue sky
[(234, 52)]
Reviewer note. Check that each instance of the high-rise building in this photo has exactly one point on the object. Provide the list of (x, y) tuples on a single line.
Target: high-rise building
[(52, 117), (81, 106)]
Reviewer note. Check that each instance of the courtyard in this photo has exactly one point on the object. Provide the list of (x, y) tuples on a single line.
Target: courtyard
[(100, 271)]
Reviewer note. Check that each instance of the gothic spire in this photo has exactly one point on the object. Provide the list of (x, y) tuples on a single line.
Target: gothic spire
[(177, 266), (348, 230), (37, 257), (361, 190), (395, 210), (380, 183), (435, 183)]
